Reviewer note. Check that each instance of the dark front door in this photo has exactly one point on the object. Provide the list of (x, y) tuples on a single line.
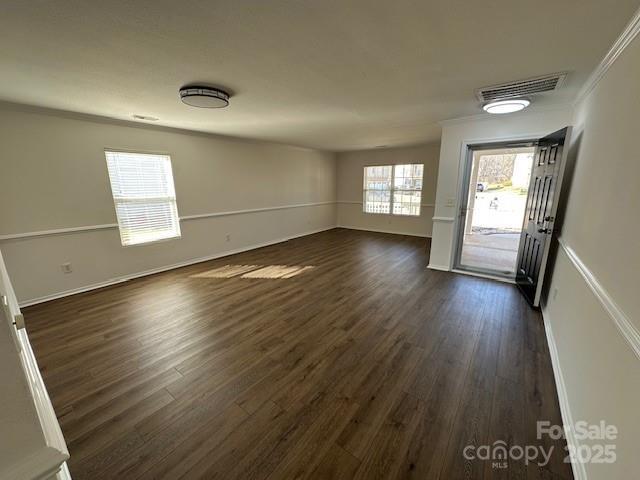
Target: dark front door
[(542, 203)]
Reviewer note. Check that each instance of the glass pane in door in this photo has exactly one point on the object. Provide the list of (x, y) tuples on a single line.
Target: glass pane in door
[(497, 194)]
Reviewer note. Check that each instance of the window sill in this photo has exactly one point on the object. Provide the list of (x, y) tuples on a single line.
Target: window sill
[(151, 242), (394, 214)]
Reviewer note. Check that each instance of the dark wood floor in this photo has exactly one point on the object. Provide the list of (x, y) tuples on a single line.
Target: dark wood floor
[(367, 366)]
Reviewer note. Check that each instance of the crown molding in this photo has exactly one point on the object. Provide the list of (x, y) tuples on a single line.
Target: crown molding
[(625, 38)]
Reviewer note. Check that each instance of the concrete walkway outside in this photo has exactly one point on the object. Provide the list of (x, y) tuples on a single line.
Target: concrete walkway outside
[(491, 251)]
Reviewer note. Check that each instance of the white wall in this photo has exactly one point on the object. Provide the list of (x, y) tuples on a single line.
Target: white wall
[(457, 133), (350, 167), (54, 176), (592, 309)]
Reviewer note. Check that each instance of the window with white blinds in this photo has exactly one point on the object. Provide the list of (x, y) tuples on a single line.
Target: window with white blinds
[(144, 196)]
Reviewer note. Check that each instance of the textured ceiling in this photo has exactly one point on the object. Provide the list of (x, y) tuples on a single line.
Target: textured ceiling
[(330, 74)]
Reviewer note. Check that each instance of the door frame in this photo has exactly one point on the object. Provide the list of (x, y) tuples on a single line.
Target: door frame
[(465, 168)]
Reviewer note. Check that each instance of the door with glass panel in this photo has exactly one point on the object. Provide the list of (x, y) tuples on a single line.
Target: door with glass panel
[(540, 219), (493, 203)]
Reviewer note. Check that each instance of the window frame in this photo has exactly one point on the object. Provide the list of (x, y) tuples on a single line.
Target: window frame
[(172, 199), (391, 190), (366, 190)]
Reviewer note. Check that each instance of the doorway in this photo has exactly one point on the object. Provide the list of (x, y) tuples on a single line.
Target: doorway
[(494, 198)]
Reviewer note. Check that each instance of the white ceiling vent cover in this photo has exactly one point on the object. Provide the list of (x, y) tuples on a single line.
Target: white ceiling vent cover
[(521, 88)]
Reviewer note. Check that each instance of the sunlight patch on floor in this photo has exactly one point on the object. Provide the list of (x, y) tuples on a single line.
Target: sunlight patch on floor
[(277, 271), (227, 271), (254, 271)]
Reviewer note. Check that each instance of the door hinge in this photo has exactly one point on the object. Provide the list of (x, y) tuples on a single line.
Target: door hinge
[(18, 321)]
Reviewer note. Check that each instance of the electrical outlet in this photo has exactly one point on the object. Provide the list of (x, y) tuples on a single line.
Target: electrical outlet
[(555, 293), (66, 267), (451, 202), (228, 238)]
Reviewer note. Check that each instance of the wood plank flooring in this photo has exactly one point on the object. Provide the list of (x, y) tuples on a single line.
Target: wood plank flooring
[(368, 365)]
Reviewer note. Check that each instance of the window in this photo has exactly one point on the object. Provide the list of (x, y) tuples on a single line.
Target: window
[(394, 189), (377, 189), (407, 189), (144, 196)]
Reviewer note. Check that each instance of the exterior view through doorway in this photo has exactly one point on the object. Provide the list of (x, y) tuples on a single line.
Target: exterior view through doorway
[(494, 198)]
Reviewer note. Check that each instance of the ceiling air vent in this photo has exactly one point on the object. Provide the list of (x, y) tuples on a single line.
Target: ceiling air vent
[(521, 88)]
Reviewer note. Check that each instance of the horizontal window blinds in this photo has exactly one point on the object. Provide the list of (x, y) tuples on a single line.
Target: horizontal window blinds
[(144, 196)]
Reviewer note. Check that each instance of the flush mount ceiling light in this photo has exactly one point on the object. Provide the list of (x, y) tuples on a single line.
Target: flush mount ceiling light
[(204, 97), (506, 106)]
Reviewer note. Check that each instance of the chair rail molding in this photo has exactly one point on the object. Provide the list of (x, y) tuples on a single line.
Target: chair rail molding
[(359, 202), (619, 317), (89, 228)]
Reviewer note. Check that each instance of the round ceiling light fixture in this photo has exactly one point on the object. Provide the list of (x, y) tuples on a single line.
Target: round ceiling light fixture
[(204, 97), (506, 106)]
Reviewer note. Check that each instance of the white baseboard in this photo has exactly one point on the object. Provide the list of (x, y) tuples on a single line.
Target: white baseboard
[(395, 232), (442, 268), (124, 278), (64, 473), (579, 472)]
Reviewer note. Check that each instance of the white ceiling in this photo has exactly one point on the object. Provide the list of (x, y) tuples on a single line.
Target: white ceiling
[(330, 74)]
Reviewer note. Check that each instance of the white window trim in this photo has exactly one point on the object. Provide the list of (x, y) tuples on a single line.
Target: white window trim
[(391, 191), (159, 199)]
